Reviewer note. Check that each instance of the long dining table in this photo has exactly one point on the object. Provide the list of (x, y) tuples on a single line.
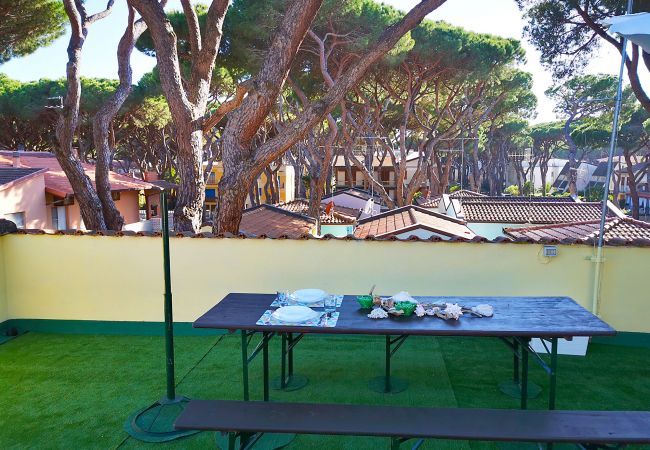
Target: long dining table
[(515, 321)]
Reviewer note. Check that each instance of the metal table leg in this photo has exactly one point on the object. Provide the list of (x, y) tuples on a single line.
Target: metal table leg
[(524, 374), (512, 388), (244, 358), (289, 381), (261, 441), (553, 375), (386, 383)]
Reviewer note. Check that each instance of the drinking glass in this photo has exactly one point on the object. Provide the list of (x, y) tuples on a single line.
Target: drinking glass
[(330, 303), (282, 298)]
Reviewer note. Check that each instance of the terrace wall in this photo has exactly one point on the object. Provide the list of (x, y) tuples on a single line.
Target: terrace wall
[(120, 278), (4, 314)]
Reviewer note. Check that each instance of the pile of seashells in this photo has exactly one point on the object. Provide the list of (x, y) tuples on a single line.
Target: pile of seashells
[(403, 304)]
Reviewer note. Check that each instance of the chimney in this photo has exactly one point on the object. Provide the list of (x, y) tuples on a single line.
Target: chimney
[(16, 157), (150, 176)]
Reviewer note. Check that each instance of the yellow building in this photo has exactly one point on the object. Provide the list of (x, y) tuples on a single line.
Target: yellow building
[(286, 182)]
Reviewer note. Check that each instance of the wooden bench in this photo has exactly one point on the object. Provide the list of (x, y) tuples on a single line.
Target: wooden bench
[(589, 429)]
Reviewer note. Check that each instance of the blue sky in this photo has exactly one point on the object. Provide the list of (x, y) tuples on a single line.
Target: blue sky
[(500, 17)]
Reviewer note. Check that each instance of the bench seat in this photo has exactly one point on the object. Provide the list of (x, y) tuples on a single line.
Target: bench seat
[(580, 427)]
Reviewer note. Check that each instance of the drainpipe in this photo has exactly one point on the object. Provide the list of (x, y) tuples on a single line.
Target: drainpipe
[(598, 259)]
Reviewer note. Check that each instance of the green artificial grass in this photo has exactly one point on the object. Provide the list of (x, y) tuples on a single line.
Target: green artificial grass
[(66, 391)]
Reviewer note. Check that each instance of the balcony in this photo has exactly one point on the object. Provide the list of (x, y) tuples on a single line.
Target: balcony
[(94, 354)]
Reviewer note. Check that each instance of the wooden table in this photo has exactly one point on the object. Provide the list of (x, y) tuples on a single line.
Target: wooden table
[(516, 321)]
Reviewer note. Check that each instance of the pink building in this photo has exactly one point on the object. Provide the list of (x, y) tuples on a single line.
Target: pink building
[(35, 193)]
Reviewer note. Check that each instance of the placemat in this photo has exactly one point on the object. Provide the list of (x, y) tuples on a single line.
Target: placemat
[(320, 321)]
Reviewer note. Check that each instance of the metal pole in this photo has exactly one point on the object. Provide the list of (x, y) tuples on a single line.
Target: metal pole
[(169, 319), (610, 161)]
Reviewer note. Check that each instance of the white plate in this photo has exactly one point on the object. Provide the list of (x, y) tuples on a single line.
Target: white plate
[(309, 296), (294, 314)]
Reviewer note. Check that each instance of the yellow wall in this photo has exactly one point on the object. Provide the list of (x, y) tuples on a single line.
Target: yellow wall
[(120, 278), (285, 173), (3, 298)]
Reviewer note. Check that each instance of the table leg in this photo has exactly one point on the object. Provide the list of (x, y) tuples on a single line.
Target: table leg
[(513, 387), (283, 371), (524, 373), (388, 384), (244, 358), (265, 363), (288, 380), (515, 362), (553, 375)]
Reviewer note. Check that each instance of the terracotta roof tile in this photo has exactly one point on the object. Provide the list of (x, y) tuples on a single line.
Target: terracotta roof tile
[(618, 231), (535, 210), (55, 180), (409, 218), (274, 222), (338, 215)]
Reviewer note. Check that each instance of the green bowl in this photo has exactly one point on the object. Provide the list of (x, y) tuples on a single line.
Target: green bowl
[(407, 307), (365, 301)]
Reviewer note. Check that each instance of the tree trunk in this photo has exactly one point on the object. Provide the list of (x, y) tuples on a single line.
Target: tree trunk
[(104, 118), (315, 198), (543, 171), (634, 193), (244, 123), (573, 163), (90, 205), (188, 213)]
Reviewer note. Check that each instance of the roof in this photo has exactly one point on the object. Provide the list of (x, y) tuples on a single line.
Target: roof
[(428, 202), (465, 193), (408, 218), (337, 216), (273, 222), (433, 202), (354, 192), (12, 175), (533, 210), (57, 183), (618, 230)]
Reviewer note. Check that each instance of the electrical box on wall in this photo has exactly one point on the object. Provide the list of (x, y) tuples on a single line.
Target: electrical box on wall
[(550, 251)]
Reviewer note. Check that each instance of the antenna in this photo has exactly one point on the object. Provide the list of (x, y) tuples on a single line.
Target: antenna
[(59, 104)]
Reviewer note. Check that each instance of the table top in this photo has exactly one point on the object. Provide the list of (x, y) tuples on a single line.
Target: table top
[(513, 316)]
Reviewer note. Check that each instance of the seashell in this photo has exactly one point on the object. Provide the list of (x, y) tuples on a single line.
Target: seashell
[(453, 311), (483, 310), (378, 313)]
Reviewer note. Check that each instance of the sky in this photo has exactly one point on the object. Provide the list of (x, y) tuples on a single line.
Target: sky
[(498, 17)]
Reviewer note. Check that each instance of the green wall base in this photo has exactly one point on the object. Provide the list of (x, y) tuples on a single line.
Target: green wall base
[(103, 327), (624, 339)]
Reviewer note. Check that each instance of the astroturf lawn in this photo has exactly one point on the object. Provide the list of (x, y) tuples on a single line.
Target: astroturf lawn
[(76, 391)]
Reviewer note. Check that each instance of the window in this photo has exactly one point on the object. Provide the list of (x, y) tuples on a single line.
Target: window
[(115, 195), (212, 178), (58, 218), (18, 218)]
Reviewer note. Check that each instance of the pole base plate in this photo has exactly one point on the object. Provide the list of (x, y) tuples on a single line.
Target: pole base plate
[(513, 389), (155, 423), (378, 384), (293, 383)]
